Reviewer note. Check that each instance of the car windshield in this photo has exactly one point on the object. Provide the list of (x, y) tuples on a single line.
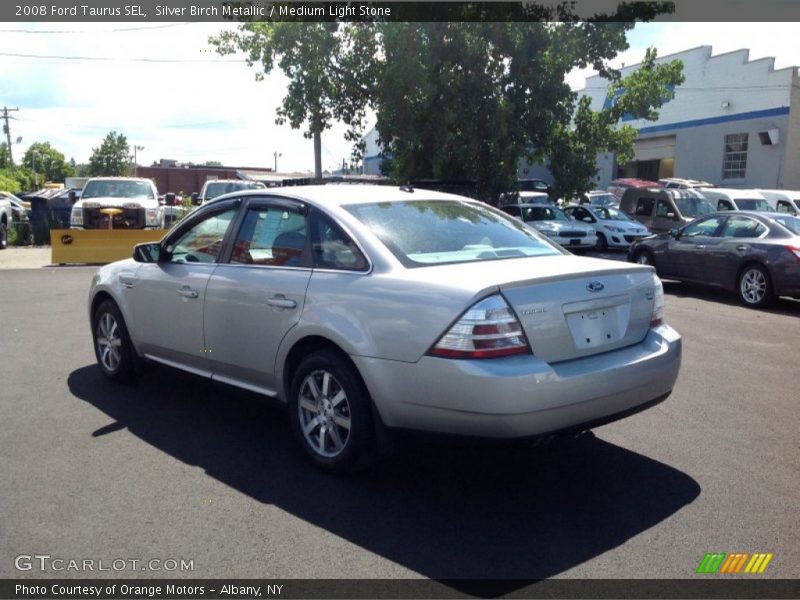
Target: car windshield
[(694, 207), (602, 199), (118, 189), (752, 204), (610, 214), (543, 213), (791, 223), (431, 232), (226, 187)]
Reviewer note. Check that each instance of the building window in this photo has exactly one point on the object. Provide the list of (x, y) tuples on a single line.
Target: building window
[(735, 160)]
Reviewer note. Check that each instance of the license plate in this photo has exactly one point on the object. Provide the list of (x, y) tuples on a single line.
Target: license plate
[(575, 242)]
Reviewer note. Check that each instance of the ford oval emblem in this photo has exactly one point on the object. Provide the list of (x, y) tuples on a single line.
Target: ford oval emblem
[(66, 239), (595, 286)]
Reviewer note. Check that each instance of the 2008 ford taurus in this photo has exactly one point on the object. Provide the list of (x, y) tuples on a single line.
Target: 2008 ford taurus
[(372, 307)]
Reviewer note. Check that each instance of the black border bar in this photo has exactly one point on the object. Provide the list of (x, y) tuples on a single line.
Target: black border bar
[(704, 586), (151, 11)]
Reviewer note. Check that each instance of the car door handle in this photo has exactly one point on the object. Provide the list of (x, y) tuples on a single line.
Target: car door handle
[(281, 301), (188, 293), (700, 246), (741, 248)]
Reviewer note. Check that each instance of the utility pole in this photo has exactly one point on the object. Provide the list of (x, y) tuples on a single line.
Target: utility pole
[(135, 161), (275, 156), (7, 131)]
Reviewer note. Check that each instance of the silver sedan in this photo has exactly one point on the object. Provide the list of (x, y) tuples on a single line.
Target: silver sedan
[(367, 308)]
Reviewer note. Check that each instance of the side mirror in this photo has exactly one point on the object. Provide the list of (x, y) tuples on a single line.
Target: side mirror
[(73, 197), (148, 252), (676, 233), (196, 198)]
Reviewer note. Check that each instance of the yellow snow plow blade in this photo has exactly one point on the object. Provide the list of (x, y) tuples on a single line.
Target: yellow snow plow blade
[(98, 246)]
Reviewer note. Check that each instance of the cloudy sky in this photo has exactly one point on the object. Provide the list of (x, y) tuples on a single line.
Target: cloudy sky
[(164, 88)]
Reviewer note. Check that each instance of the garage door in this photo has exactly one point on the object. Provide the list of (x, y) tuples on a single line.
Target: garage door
[(655, 148)]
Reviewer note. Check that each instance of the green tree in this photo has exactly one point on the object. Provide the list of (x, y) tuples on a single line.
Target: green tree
[(8, 182), (47, 162), (329, 66), (212, 163), (574, 147), (113, 157), (471, 100), (5, 163)]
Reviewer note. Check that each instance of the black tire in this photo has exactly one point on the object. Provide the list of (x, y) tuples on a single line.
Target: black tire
[(644, 257), (324, 422), (124, 367), (602, 243), (3, 236), (754, 286)]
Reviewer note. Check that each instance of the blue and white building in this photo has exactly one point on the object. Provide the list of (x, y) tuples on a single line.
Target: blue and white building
[(734, 122)]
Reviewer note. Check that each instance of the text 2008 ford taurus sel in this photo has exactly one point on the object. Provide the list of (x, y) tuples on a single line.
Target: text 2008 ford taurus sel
[(368, 306)]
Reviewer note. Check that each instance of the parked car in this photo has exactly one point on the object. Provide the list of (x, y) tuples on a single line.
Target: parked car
[(733, 199), (368, 308), (20, 209), (217, 187), (618, 186), (6, 218), (613, 227), (754, 254), (533, 185), (783, 201), (661, 209), (135, 200), (555, 224), (684, 184)]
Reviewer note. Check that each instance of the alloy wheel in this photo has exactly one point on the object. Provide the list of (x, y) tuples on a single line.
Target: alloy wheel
[(324, 413), (109, 342), (753, 286)]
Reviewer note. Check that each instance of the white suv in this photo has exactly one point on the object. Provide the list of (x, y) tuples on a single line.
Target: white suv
[(136, 199)]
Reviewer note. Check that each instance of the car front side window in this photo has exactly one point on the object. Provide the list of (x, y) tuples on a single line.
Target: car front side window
[(705, 228), (202, 242)]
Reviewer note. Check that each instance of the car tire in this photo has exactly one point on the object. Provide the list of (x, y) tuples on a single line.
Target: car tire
[(602, 243), (112, 344), (331, 413), (644, 257), (3, 236), (753, 286)]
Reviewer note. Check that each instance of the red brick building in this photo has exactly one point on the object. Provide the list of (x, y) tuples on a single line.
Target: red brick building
[(189, 179)]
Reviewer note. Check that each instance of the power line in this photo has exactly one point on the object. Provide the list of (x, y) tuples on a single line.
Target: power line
[(122, 59), (114, 30)]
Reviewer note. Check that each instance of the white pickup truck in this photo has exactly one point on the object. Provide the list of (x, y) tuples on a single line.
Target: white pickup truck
[(136, 199)]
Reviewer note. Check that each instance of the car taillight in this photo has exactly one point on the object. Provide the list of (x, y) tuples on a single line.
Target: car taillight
[(795, 250), (658, 302), (488, 329)]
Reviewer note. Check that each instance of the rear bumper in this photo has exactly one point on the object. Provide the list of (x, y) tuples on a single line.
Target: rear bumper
[(523, 396)]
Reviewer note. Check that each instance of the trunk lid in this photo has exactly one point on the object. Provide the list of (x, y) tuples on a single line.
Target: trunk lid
[(578, 314)]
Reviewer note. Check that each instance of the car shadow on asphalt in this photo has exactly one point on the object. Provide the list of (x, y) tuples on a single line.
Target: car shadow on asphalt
[(780, 306), (446, 510)]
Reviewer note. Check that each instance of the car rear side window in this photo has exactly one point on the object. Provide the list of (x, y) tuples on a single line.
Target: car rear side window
[(430, 232), (272, 236), (332, 248), (743, 227)]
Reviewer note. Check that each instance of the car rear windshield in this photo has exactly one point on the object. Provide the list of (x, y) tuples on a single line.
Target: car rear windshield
[(117, 189), (752, 204), (433, 232), (791, 223), (694, 207)]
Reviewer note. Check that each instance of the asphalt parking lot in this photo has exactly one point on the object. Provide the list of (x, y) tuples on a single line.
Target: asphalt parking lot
[(175, 468)]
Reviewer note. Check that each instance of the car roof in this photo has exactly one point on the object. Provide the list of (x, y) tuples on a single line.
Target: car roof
[(340, 195), (232, 181)]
